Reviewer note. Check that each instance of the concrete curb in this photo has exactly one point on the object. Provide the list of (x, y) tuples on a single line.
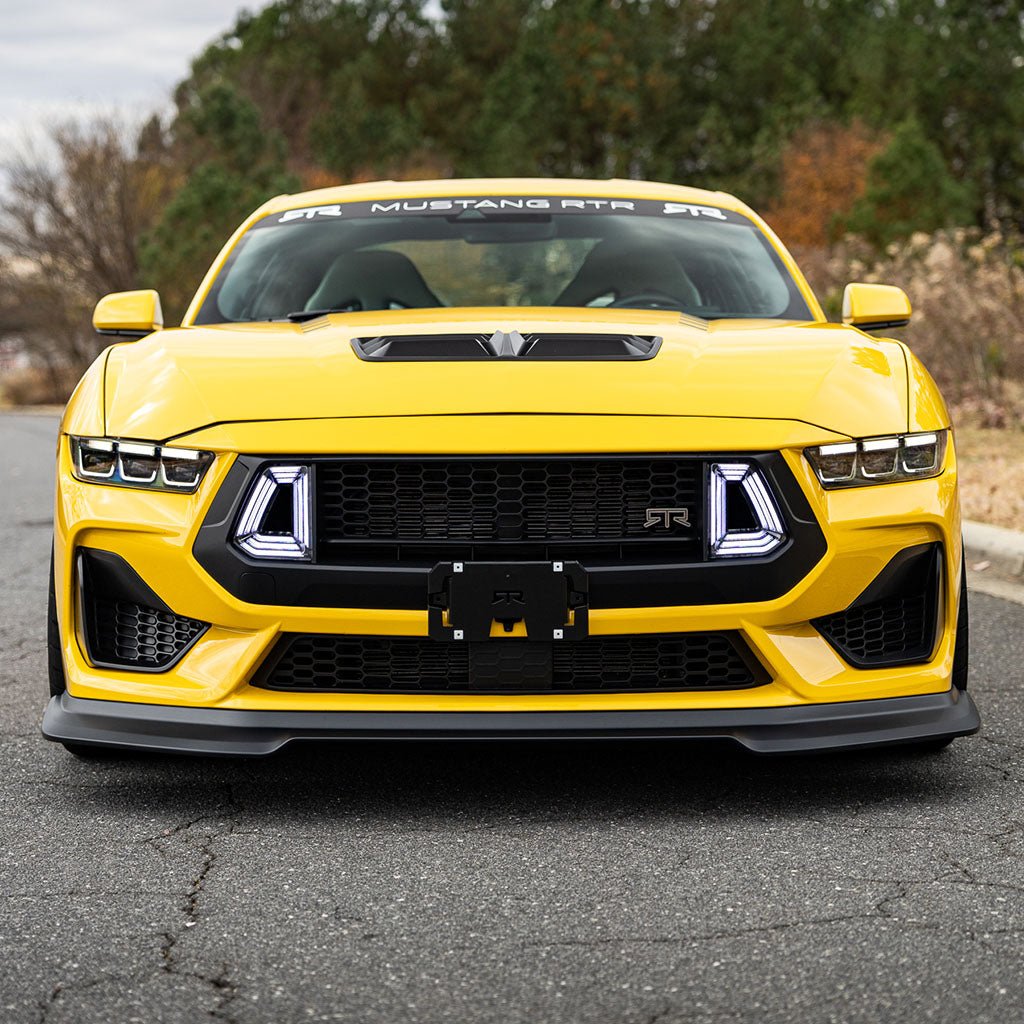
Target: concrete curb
[(1003, 548)]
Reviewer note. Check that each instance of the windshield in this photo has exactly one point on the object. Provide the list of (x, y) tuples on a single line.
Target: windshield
[(503, 251)]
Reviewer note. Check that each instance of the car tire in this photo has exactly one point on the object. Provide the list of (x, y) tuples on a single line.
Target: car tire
[(961, 655), (961, 658), (54, 656), (58, 683)]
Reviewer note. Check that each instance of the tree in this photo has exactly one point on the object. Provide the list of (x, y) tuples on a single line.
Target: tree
[(341, 82), (823, 174), (70, 226), (909, 188), (230, 165)]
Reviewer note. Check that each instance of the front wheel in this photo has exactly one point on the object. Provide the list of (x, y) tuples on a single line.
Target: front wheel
[(54, 656), (961, 656), (962, 652)]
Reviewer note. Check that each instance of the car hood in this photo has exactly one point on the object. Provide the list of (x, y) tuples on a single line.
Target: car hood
[(180, 380)]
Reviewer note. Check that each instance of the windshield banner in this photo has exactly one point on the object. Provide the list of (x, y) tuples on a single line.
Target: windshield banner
[(485, 207)]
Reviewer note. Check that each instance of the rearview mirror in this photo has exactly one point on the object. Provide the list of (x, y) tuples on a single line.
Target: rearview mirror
[(128, 314), (872, 307)]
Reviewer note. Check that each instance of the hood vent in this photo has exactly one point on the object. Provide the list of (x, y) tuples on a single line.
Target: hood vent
[(411, 348)]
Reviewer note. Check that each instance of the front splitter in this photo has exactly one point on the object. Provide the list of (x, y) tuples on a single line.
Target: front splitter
[(802, 729)]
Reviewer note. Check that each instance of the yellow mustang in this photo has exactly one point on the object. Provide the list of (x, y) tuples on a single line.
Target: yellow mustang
[(502, 458)]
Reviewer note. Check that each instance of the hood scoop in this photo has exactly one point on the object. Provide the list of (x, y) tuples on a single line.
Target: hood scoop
[(412, 348)]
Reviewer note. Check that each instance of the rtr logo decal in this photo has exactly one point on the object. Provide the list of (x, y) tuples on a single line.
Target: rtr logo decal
[(666, 518), (695, 211), (309, 212)]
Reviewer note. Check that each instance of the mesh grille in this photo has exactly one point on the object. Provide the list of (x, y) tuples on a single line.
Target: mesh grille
[(681, 661), (671, 661), (524, 500), (895, 620), (132, 635), (882, 630)]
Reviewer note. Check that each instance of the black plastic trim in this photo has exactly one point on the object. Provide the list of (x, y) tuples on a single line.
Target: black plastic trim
[(123, 332), (434, 348), (808, 728), (882, 325), (759, 675), (922, 560), (109, 573), (616, 583)]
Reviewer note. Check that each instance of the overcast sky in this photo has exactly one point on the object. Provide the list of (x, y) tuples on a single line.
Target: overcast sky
[(66, 58)]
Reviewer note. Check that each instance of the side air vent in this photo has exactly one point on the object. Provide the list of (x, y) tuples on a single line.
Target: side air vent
[(410, 348), (124, 623), (894, 622)]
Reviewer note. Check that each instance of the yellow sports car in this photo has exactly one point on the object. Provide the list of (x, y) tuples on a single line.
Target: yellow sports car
[(506, 458)]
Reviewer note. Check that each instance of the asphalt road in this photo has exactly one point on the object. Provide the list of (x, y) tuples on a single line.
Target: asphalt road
[(624, 883)]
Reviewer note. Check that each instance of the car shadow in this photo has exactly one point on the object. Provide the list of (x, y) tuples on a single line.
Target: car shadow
[(493, 782)]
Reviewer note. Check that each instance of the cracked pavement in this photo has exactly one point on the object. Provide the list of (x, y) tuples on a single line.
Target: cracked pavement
[(515, 883)]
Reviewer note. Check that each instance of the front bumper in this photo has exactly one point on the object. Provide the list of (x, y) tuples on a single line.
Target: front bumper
[(156, 534), (792, 730)]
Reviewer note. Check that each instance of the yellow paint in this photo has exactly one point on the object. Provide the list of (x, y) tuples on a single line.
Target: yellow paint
[(129, 311), (276, 388), (869, 306), (179, 381), (864, 528), (458, 435)]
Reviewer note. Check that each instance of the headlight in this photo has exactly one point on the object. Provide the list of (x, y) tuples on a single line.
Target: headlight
[(102, 460), (879, 460)]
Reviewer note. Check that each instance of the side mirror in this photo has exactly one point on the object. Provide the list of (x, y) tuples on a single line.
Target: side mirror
[(872, 307), (128, 314)]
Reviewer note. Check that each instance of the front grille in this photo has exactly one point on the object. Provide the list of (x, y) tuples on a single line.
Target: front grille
[(382, 523), (135, 636), (641, 662), (431, 503), (894, 621)]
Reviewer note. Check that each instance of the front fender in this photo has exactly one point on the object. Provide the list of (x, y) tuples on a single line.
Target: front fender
[(926, 408), (85, 413)]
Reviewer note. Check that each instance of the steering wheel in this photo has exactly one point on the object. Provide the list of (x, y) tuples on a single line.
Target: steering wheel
[(647, 300)]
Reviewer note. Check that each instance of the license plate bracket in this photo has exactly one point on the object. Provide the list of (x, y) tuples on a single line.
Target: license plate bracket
[(466, 599)]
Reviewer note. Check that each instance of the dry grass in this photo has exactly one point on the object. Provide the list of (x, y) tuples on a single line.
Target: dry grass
[(991, 464), (37, 385), (967, 290)]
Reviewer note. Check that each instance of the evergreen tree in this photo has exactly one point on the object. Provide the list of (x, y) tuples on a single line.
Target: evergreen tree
[(909, 188), (234, 165)]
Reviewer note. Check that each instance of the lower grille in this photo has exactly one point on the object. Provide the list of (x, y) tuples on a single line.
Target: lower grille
[(642, 662), (135, 636), (894, 621)]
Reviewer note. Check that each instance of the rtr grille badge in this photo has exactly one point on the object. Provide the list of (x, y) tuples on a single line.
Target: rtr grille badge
[(666, 518)]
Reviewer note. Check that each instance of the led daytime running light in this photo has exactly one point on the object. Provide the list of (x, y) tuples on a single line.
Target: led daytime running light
[(251, 534), (770, 532)]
